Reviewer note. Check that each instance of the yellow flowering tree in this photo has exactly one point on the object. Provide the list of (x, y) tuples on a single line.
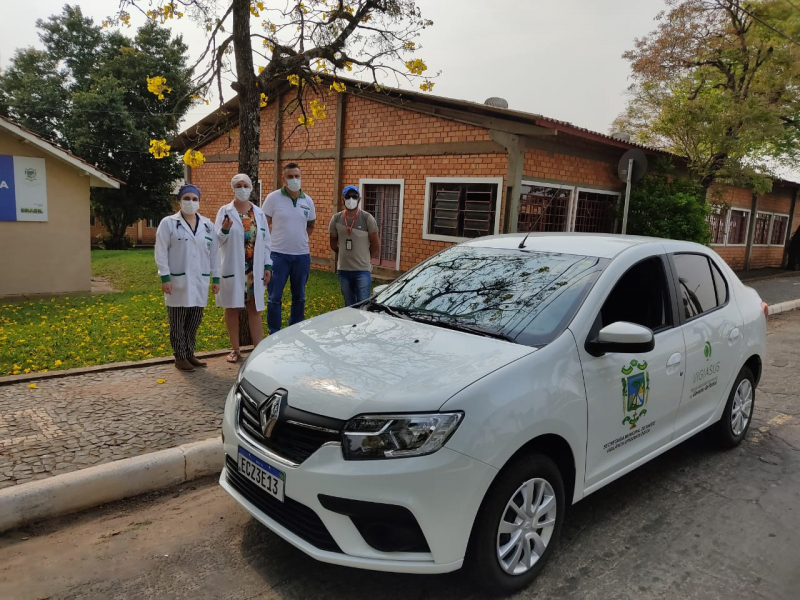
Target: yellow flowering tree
[(307, 46)]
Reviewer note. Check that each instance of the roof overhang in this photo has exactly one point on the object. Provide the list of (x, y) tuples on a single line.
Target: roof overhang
[(97, 178)]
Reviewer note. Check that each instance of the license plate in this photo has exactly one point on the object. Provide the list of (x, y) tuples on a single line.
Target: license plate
[(265, 476)]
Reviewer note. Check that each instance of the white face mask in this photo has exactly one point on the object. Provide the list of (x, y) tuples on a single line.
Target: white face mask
[(293, 184), (190, 207), (351, 203), (242, 193)]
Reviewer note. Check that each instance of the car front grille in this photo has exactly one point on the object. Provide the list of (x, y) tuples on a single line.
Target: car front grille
[(296, 435), (296, 517)]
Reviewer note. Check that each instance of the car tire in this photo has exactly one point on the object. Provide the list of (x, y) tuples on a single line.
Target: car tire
[(533, 476), (738, 413)]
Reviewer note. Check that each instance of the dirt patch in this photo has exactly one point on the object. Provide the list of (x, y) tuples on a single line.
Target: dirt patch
[(101, 285)]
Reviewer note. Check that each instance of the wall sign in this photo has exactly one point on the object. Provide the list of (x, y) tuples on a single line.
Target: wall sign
[(23, 188)]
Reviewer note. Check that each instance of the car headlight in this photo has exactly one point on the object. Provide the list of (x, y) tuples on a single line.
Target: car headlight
[(397, 436)]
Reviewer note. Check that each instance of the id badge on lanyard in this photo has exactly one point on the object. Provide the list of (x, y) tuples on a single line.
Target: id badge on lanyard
[(348, 244)]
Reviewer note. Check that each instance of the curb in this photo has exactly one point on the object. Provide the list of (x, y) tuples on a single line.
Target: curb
[(783, 307), (117, 366), (86, 488)]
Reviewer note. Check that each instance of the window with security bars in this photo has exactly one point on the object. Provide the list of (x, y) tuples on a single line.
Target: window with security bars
[(761, 235), (716, 224), (464, 210), (595, 212), (152, 222), (737, 230), (779, 226), (543, 208)]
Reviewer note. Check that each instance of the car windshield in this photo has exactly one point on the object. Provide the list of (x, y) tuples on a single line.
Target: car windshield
[(526, 296)]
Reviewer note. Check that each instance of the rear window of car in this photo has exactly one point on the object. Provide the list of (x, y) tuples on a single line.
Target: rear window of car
[(527, 295), (702, 287)]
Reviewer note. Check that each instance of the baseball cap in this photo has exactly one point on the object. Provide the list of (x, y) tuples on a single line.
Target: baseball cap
[(350, 188)]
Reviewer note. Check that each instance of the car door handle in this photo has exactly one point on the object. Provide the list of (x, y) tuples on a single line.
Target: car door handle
[(734, 335), (674, 360)]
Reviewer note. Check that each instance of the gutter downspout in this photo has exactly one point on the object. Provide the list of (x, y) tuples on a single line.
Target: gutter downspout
[(751, 230), (515, 147), (785, 260), (338, 165)]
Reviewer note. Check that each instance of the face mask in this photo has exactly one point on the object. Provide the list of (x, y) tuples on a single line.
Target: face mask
[(293, 184), (351, 203), (190, 207), (242, 193)]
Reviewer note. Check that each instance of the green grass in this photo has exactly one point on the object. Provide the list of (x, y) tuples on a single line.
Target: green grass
[(65, 332)]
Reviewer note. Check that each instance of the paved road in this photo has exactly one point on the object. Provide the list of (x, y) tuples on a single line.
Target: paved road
[(694, 523), (777, 290), (78, 421)]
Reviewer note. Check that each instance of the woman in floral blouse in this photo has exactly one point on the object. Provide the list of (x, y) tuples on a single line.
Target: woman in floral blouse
[(246, 262)]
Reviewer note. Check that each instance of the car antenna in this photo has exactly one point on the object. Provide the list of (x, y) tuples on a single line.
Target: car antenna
[(544, 210)]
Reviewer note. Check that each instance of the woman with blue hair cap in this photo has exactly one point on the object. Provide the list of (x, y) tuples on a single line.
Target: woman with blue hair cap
[(187, 256)]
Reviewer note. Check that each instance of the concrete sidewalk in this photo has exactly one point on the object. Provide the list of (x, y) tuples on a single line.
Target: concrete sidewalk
[(777, 289), (78, 421)]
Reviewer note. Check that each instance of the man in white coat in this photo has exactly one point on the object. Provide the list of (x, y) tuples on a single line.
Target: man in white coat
[(246, 262), (187, 258)]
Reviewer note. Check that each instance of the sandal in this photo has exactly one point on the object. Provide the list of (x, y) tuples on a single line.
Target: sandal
[(233, 357)]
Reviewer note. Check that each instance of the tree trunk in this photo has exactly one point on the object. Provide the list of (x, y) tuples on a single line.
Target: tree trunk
[(249, 118), (249, 94)]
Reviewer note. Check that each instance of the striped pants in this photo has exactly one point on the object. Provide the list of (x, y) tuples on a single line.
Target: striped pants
[(184, 321)]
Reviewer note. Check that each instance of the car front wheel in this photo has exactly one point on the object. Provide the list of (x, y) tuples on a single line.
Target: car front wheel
[(738, 413), (518, 525)]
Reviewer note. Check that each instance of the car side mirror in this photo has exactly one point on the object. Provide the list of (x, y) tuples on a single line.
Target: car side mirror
[(621, 337), (379, 288)]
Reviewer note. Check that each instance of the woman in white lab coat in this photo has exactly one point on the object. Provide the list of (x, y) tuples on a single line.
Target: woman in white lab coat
[(187, 256), (246, 262)]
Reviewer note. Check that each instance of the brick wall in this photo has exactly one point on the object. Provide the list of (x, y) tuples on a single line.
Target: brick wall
[(370, 123), (539, 164)]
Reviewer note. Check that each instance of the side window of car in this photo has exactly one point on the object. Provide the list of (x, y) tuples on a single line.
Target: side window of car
[(720, 285), (641, 296), (700, 290)]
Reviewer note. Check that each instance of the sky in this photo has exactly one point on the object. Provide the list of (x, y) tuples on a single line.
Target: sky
[(558, 58)]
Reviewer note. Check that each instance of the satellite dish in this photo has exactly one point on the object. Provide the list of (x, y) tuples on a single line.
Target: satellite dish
[(639, 165)]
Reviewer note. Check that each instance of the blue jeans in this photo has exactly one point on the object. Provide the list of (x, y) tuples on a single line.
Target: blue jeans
[(295, 268), (355, 286)]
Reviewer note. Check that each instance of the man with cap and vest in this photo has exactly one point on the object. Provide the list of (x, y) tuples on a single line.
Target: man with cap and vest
[(354, 236), (291, 216), (187, 257)]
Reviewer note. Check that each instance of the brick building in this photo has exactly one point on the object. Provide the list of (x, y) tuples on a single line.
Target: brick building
[(434, 171)]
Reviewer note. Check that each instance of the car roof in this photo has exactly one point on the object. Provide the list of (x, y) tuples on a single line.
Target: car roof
[(601, 245)]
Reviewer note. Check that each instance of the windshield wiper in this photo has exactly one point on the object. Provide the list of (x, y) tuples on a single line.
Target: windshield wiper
[(455, 325), (397, 313)]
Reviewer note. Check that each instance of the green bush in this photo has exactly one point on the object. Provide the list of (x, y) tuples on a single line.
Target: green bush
[(671, 207), (108, 242)]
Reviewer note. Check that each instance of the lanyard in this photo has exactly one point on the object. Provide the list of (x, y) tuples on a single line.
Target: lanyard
[(353, 224)]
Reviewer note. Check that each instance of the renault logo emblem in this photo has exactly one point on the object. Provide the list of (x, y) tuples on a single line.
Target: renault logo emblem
[(269, 415)]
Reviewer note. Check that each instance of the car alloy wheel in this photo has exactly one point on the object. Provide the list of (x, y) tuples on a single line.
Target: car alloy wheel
[(526, 526), (742, 407)]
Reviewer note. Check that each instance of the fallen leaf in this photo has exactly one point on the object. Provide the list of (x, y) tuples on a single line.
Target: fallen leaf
[(161, 381), (113, 533), (33, 386)]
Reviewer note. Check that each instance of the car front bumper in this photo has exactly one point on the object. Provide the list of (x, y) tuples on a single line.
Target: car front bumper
[(443, 491)]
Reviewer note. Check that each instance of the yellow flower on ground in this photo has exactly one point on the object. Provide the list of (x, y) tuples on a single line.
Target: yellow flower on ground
[(263, 101), (416, 66), (293, 79), (33, 386), (58, 363), (194, 158), (338, 86), (159, 148), (157, 86), (161, 381)]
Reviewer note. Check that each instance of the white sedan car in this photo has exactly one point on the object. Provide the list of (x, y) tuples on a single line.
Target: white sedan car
[(449, 420)]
